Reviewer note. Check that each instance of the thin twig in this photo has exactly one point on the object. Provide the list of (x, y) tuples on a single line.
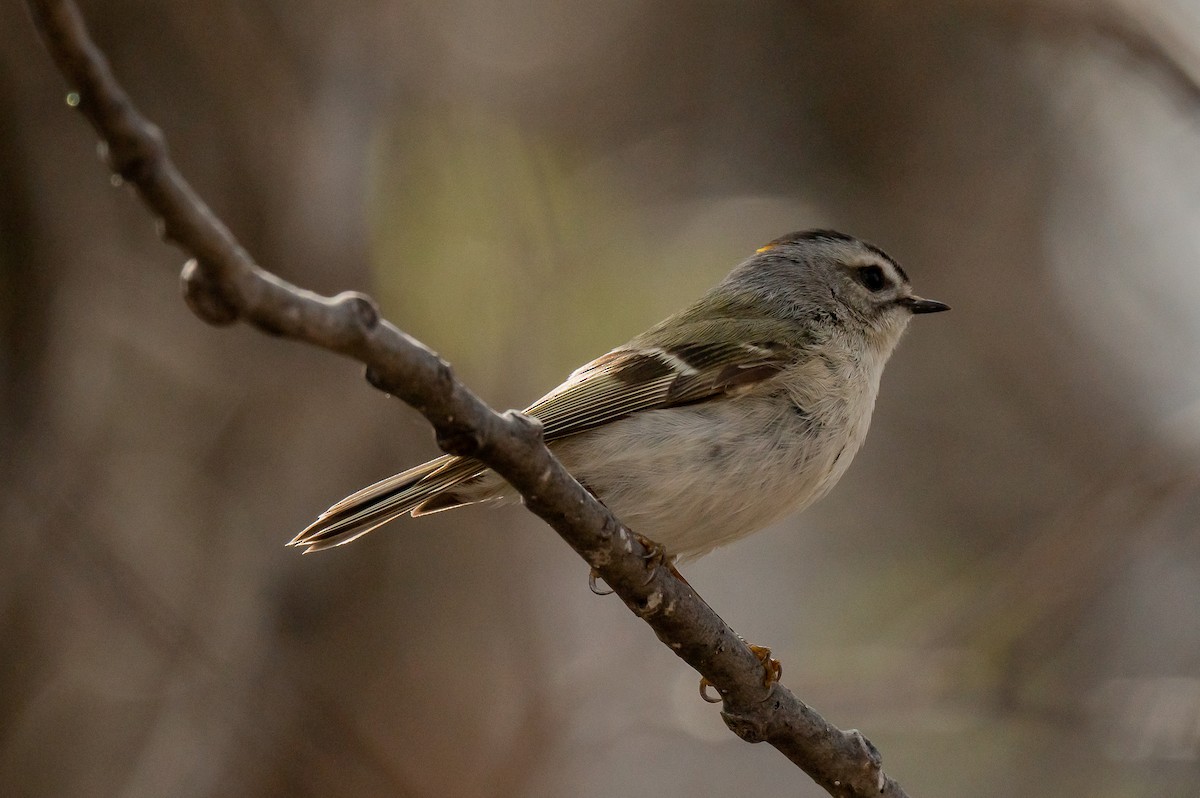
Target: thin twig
[(222, 284)]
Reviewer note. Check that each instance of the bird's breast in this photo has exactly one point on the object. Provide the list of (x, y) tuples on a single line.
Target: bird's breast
[(693, 478)]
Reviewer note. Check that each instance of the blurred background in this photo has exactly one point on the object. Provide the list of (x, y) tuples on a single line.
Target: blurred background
[(1003, 594)]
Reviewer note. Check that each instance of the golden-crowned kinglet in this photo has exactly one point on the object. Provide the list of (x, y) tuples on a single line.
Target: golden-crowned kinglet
[(729, 415)]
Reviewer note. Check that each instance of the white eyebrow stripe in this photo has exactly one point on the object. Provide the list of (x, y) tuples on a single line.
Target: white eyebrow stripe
[(895, 274), (674, 361)]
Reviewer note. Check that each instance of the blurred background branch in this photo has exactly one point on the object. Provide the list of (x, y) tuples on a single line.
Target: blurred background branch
[(1004, 589), (1140, 28)]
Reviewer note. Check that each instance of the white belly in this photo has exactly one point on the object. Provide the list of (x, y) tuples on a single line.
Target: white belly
[(693, 478)]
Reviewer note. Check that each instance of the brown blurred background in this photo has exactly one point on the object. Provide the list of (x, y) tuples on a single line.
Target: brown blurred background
[(1003, 594)]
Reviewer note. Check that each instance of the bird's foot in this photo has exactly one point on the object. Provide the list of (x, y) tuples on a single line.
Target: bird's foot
[(656, 556), (772, 672), (772, 668)]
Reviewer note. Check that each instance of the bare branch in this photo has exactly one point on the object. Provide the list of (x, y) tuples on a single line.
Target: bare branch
[(222, 284)]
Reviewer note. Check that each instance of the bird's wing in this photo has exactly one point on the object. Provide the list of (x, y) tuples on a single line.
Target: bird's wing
[(681, 371), (677, 370)]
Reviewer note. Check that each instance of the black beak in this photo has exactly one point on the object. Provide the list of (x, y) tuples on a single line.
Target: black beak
[(918, 305)]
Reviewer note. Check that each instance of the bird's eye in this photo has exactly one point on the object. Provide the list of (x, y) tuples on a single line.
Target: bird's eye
[(872, 278)]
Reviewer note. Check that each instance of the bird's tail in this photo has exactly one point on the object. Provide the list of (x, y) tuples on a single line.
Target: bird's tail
[(427, 488)]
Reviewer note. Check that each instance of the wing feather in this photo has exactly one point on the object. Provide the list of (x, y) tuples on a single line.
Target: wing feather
[(637, 377)]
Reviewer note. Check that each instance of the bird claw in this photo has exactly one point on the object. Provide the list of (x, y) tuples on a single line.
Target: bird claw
[(772, 668), (656, 556), (772, 672), (593, 584)]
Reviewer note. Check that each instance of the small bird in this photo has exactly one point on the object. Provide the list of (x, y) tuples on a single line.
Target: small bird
[(739, 410)]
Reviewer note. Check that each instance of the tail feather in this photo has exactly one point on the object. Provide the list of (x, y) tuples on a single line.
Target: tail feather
[(410, 492)]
